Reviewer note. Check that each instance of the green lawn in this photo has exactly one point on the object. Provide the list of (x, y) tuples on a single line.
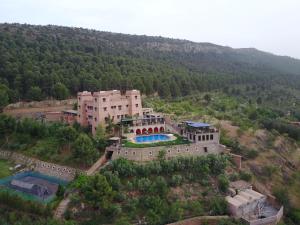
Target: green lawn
[(4, 168), (178, 141)]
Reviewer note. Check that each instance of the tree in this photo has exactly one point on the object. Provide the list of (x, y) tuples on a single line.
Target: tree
[(259, 100), (162, 155), (223, 182), (83, 149), (160, 186), (97, 192), (207, 98), (122, 221), (60, 91), (100, 137), (7, 126), (218, 205), (35, 93), (67, 135), (4, 98)]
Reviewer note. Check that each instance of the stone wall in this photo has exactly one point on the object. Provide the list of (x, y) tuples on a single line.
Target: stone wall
[(151, 153), (272, 220), (51, 169), (201, 220)]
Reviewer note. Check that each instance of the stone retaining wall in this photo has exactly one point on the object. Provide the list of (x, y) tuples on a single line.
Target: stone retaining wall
[(151, 153), (51, 169), (272, 220), (201, 220)]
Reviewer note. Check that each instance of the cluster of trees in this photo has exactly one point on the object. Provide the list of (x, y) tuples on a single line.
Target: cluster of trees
[(10, 216), (283, 127), (47, 140), (202, 166), (127, 191), (48, 61)]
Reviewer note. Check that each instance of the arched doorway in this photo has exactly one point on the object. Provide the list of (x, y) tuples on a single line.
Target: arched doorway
[(162, 129), (138, 131), (144, 131), (150, 130), (155, 130)]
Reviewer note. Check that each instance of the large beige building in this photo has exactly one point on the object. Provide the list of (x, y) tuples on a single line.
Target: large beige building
[(100, 107)]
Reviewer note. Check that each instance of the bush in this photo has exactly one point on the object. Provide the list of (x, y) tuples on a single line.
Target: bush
[(223, 182), (251, 154), (245, 176), (218, 206), (176, 180)]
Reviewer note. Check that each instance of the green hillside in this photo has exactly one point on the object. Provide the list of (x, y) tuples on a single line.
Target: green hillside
[(38, 62)]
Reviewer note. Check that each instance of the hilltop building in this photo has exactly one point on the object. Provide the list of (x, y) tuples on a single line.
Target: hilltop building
[(251, 206), (104, 106)]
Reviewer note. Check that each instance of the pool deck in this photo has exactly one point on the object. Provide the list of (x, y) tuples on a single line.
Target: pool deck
[(172, 137)]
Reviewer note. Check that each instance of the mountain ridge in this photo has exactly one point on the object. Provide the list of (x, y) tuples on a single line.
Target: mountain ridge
[(84, 59)]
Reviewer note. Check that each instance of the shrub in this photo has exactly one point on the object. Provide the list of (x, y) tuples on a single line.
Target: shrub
[(218, 206), (245, 176), (223, 182), (176, 180)]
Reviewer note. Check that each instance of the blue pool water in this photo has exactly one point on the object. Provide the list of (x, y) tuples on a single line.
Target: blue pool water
[(152, 138)]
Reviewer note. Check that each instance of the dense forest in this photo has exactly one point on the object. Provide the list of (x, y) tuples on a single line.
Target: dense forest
[(38, 62)]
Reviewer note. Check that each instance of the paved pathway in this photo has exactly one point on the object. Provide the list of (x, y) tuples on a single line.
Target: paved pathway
[(101, 161), (63, 205)]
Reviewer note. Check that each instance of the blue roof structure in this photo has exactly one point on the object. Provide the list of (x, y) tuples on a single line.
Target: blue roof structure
[(197, 124)]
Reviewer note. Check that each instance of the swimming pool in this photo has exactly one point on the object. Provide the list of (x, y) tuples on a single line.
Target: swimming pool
[(152, 138)]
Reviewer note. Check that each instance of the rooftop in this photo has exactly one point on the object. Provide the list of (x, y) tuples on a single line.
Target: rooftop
[(197, 124)]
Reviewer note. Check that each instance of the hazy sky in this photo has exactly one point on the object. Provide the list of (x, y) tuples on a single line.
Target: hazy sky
[(269, 25)]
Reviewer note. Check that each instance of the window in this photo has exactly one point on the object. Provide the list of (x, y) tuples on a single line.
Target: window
[(194, 138), (104, 99), (95, 128), (150, 153), (190, 136), (203, 137), (95, 118), (79, 107), (120, 107), (211, 137), (95, 109), (169, 151), (136, 105), (118, 152), (135, 97), (187, 149), (95, 99), (105, 109), (178, 150), (207, 137), (199, 138), (126, 153), (118, 116), (79, 98), (133, 153), (205, 149), (127, 106)]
